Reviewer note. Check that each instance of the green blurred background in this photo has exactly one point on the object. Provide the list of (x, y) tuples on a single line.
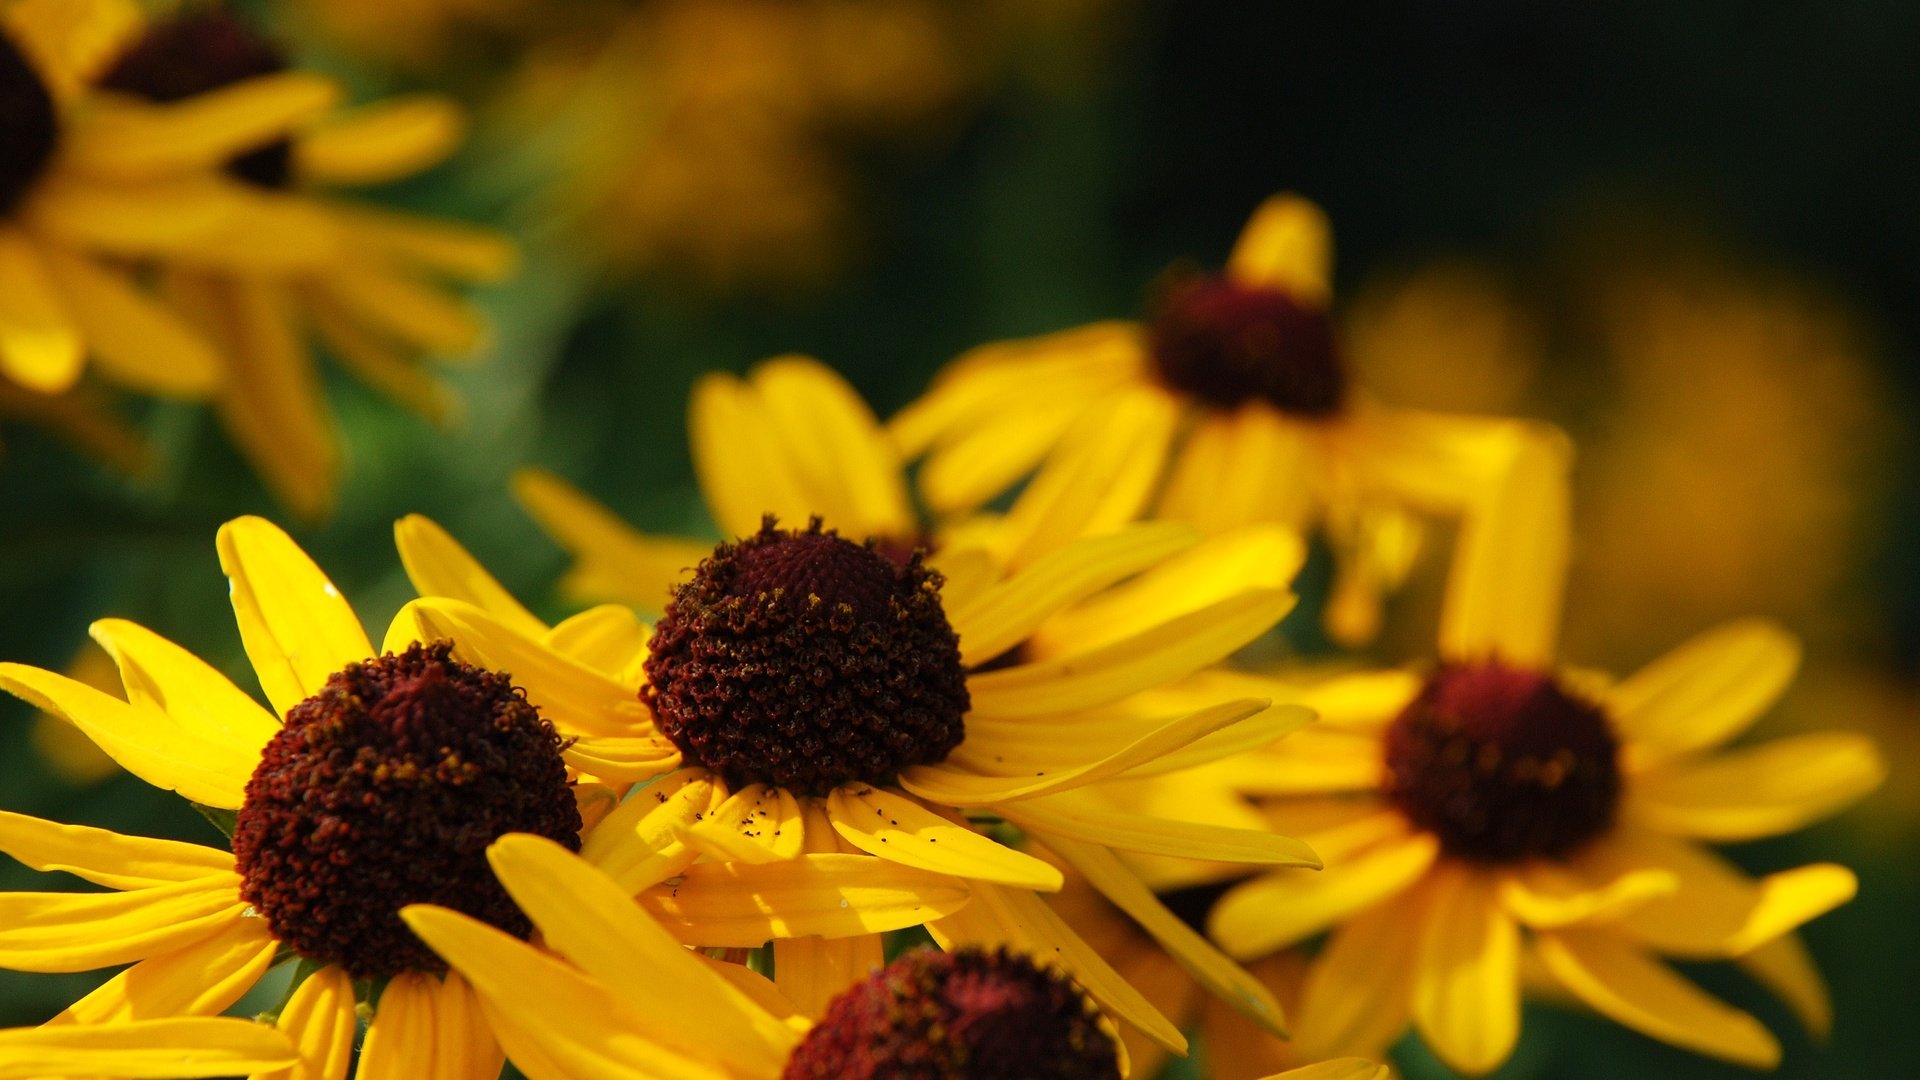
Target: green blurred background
[(1682, 231)]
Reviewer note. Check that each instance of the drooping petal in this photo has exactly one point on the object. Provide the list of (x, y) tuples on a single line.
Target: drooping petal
[(1278, 909), (1758, 791), (1706, 691), (742, 905), (400, 1042), (1466, 979), (1250, 465), (319, 1018), (84, 931), (108, 858), (1629, 986), (415, 312), (901, 830), (146, 1048), (624, 760), (297, 628), (465, 1044), (438, 565)]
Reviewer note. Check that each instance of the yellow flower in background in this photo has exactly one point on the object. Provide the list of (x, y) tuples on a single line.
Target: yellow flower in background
[(144, 1048), (375, 296), (1232, 404), (1504, 805), (372, 788), (623, 999)]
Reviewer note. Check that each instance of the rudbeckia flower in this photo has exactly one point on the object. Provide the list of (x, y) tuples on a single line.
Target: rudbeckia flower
[(620, 997), (1231, 404), (1501, 807), (144, 1048), (89, 181), (377, 780), (374, 294)]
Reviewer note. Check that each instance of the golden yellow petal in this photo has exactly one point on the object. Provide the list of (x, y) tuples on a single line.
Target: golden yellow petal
[(200, 979), (813, 971), (1509, 568), (901, 830), (464, 1042), (460, 251), (1758, 791), (438, 565), (1069, 815), (1100, 477), (757, 824), (146, 1048), (1358, 996), (1288, 245), (1251, 465), (296, 626), (319, 1017), (413, 311), (1466, 978), (1546, 895), (741, 905), (127, 138), (639, 843), (1785, 967), (1705, 691), (138, 342), (161, 675), (84, 931), (40, 345), (609, 638), (400, 1042), (614, 561), (108, 858), (387, 140), (1280, 908), (836, 445)]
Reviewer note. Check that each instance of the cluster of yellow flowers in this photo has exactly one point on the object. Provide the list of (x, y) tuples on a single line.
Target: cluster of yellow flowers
[(989, 675)]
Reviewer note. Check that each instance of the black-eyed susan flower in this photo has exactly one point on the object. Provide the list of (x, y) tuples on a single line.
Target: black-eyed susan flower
[(375, 296), (1232, 403), (196, 1046), (618, 996), (830, 698), (1501, 806), (378, 779), (90, 181)]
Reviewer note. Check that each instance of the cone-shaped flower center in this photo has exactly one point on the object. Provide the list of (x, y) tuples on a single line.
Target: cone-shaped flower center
[(1503, 764), (967, 1015), (197, 52), (28, 129), (384, 789), (800, 659), (1227, 344)]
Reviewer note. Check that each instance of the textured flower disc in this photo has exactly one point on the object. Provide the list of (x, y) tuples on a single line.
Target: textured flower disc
[(967, 1015), (801, 659), (1227, 344), (197, 52), (28, 129), (1502, 764), (384, 789)]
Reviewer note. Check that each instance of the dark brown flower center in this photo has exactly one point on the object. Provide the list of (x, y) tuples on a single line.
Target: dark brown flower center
[(384, 789), (200, 51), (967, 1015), (28, 128), (800, 659), (1228, 344), (1503, 764)]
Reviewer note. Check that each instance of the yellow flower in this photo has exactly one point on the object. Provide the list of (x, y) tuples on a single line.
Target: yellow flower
[(623, 998), (144, 1048), (373, 292), (92, 180), (1503, 806), (1233, 404), (371, 788)]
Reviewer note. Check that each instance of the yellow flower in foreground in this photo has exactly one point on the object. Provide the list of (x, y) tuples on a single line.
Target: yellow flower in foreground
[(1503, 806), (373, 294), (144, 1048), (1232, 404), (379, 783), (623, 999), (90, 181), (837, 700)]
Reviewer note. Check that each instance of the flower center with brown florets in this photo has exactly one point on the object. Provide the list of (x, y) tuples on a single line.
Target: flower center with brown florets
[(28, 127), (197, 52), (967, 1015), (384, 789), (1227, 344), (800, 659), (1502, 764)]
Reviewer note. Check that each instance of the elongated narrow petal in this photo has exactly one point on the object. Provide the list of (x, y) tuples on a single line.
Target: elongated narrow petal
[(901, 830), (458, 250), (1545, 896), (387, 140), (639, 843), (1358, 996), (1635, 989), (1785, 967), (134, 138), (743, 470), (613, 561), (836, 443), (1074, 816), (757, 824), (400, 1042), (1278, 909), (108, 858), (1758, 791), (138, 342), (438, 565), (1706, 691), (200, 979), (296, 626), (1503, 596), (740, 905), (609, 638), (1466, 981), (464, 1043), (1339, 1069), (40, 347), (158, 673), (84, 931), (627, 760), (1100, 476), (1246, 466), (145, 1048), (320, 1020)]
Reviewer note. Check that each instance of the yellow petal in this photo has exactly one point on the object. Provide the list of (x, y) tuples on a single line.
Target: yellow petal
[(1173, 649), (1004, 615), (388, 140), (129, 138), (1509, 568), (1358, 995), (953, 786), (160, 674), (108, 858), (83, 931), (144, 741), (614, 561), (460, 251), (1706, 691), (629, 760), (1312, 761), (639, 843), (1466, 982), (1339, 1069), (901, 830), (836, 445), (1257, 732), (609, 638), (813, 971), (1100, 477), (1084, 819), (1545, 895), (297, 628), (1286, 245), (200, 979), (1758, 791), (138, 342), (415, 312), (40, 347), (376, 360), (400, 1040), (70, 42), (1634, 989), (320, 1020), (756, 824), (1785, 967), (575, 697), (1208, 965), (1278, 909), (587, 918), (464, 1043), (1018, 919), (744, 471), (1365, 701), (740, 905), (1251, 465), (146, 1048), (438, 565)]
